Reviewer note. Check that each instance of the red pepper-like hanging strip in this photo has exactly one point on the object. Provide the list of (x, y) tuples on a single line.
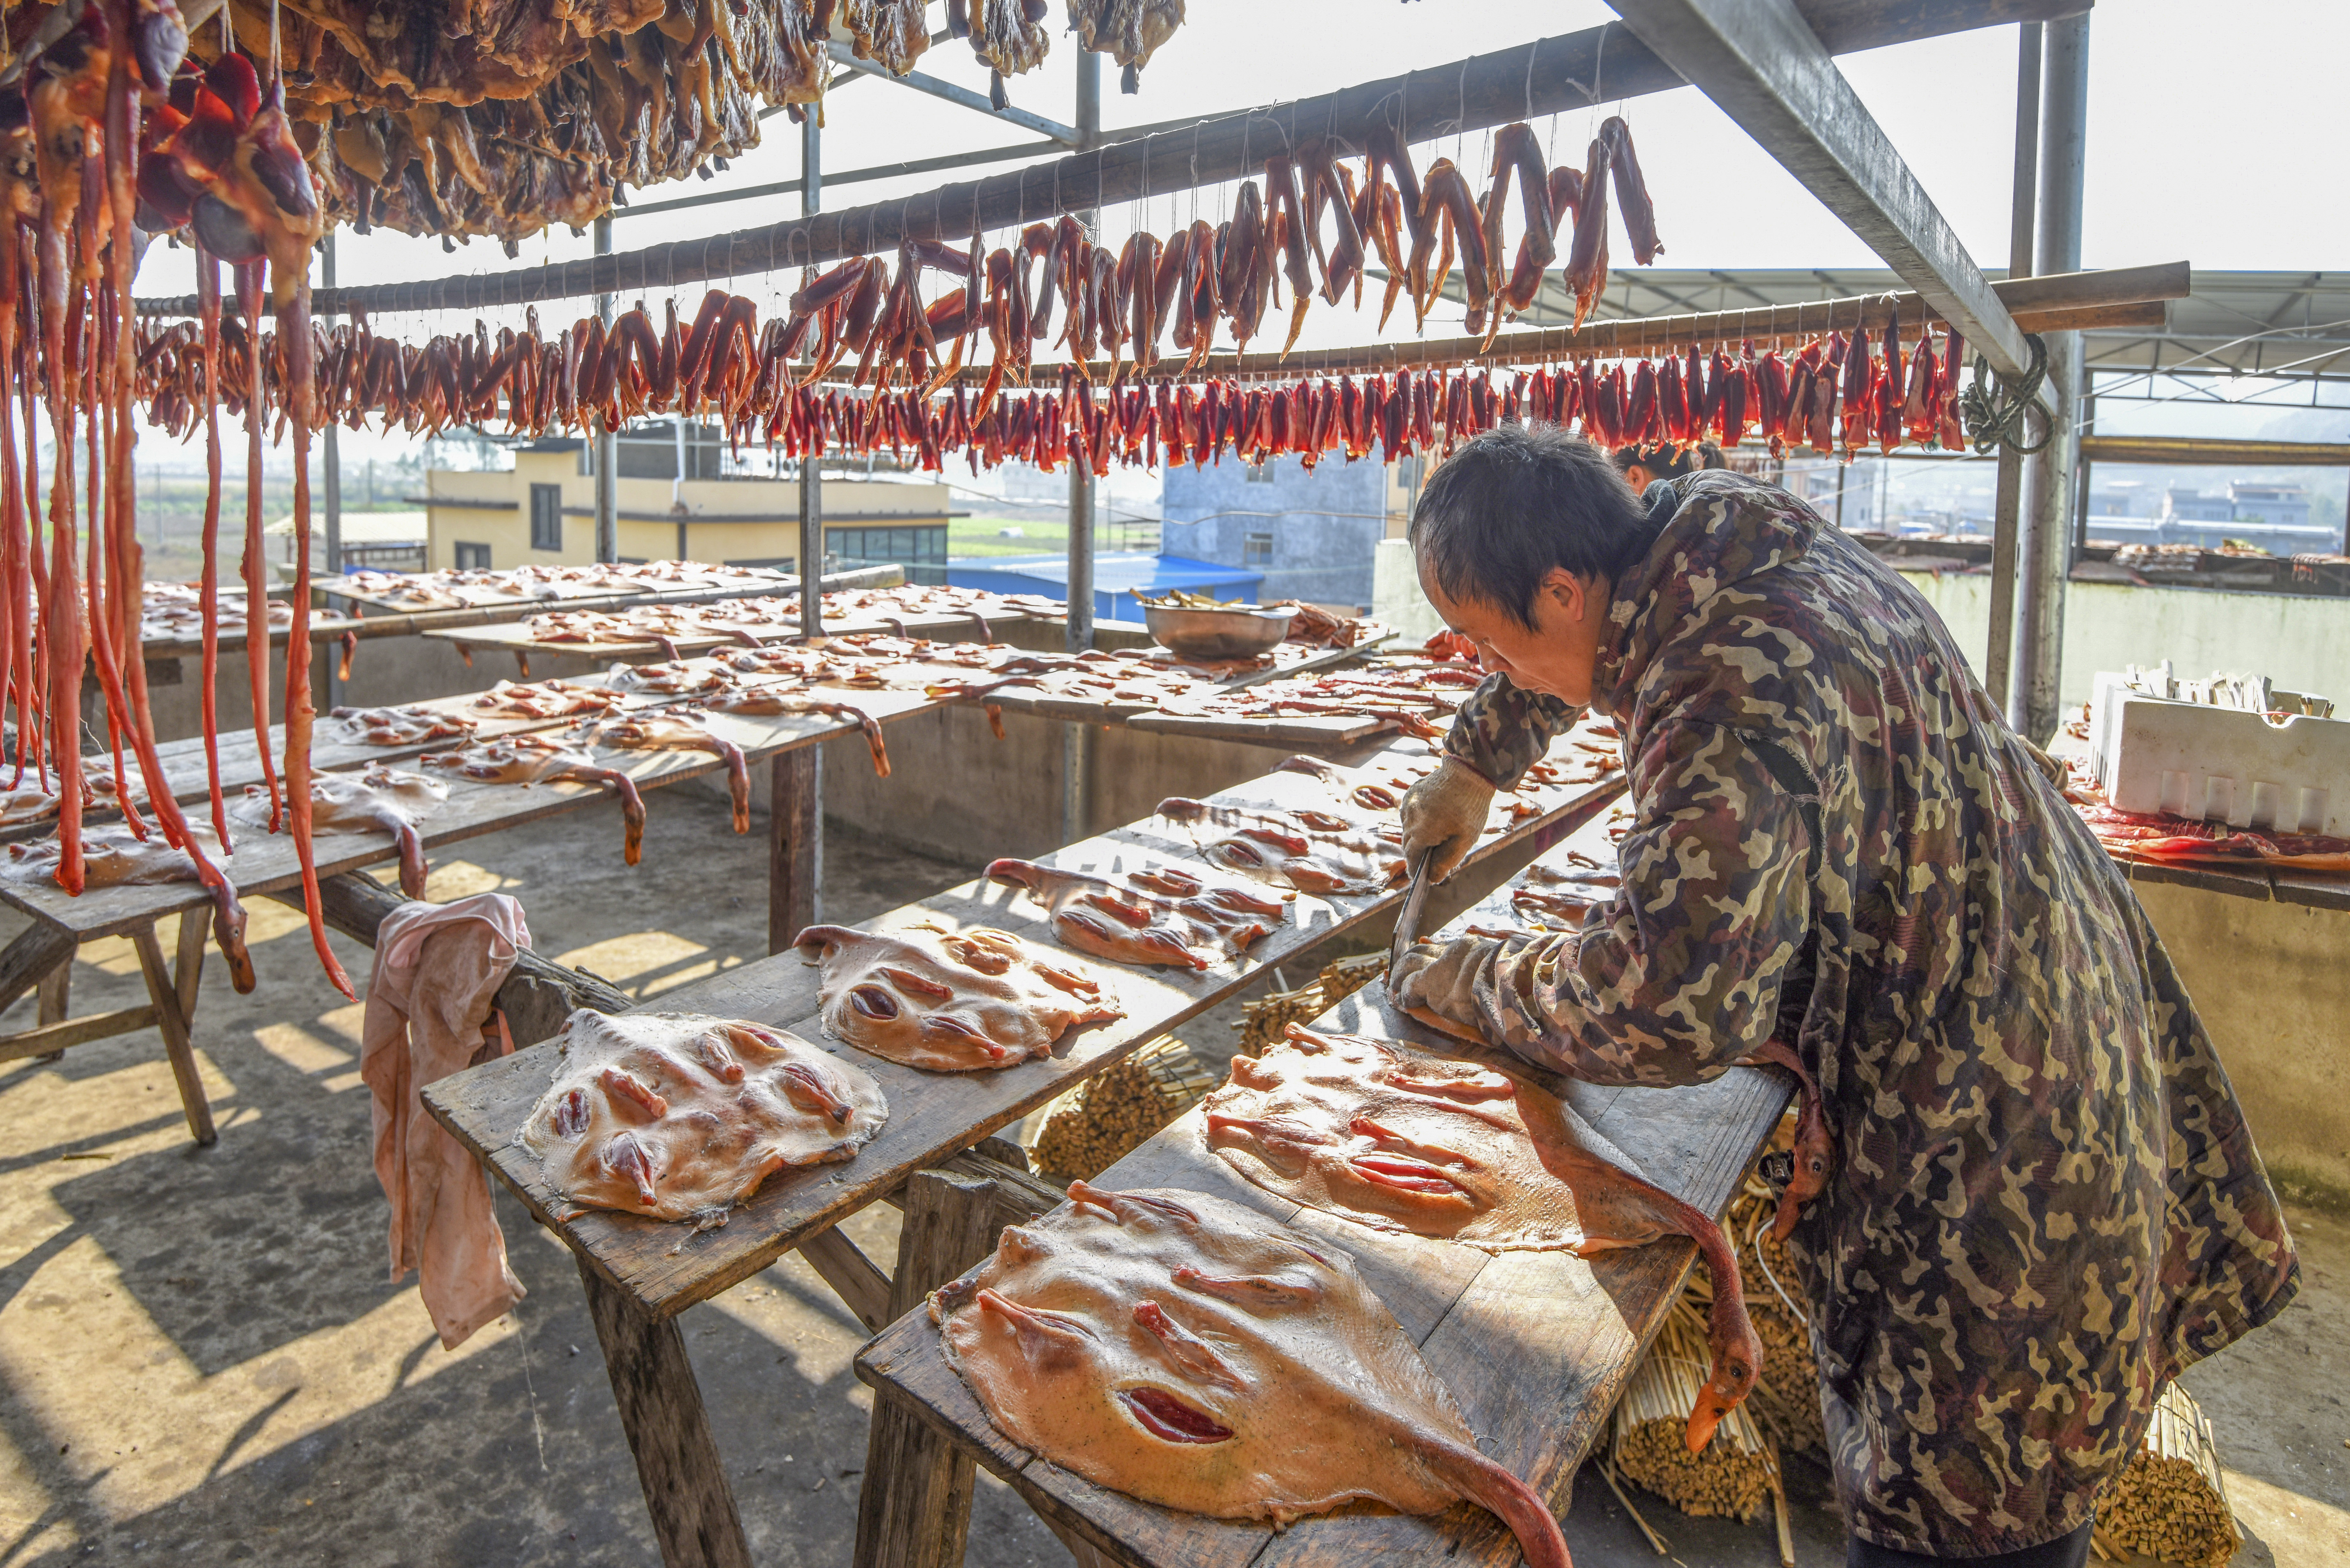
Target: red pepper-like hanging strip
[(61, 623), (208, 294), (16, 532), (293, 333), (121, 557), (38, 567), (257, 584)]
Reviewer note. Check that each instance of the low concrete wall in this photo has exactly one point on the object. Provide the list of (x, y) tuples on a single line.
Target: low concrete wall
[(2269, 984), (2300, 642), (956, 791)]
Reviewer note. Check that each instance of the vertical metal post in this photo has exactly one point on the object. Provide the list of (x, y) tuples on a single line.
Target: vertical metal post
[(811, 562), (797, 881), (331, 471), (2043, 550), (1081, 475), (1999, 653), (1076, 751), (608, 442)]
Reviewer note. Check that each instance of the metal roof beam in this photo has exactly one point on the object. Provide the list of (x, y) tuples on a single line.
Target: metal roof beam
[(848, 177), (1765, 66), (1068, 135)]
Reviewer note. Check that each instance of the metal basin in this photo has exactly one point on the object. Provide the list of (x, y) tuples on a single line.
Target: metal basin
[(1239, 633)]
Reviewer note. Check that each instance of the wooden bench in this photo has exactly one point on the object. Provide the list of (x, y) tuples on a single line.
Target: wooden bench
[(1535, 1347), (640, 1273)]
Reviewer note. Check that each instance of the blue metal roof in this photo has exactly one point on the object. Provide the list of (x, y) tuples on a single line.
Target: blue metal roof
[(1118, 576)]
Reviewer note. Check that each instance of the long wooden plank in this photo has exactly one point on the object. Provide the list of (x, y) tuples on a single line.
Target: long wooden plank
[(931, 1116), (1535, 1347)]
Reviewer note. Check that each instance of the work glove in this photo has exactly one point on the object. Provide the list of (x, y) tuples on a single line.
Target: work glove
[(1444, 812), (1435, 983)]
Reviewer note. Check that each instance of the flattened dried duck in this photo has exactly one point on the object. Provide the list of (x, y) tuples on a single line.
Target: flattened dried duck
[(772, 702), (382, 799), (1191, 1353), (114, 856), (529, 759), (684, 730), (1311, 850), (1158, 916), (1400, 1141), (948, 1000), (681, 1116), (407, 726)]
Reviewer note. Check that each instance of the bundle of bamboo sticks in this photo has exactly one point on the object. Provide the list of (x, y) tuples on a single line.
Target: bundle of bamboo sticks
[(1264, 1018), (2170, 1503), (1731, 1478), (1089, 1129), (1786, 1397)]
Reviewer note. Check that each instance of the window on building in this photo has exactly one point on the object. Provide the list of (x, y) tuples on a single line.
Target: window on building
[(1256, 550), (473, 557), (922, 549), (1257, 473), (547, 517)]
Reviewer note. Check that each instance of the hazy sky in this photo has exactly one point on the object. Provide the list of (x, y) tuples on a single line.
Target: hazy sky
[(2215, 137)]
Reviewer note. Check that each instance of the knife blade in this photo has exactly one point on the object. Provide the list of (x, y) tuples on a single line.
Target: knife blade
[(1415, 900)]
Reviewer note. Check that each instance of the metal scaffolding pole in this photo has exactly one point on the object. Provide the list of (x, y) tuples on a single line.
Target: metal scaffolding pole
[(795, 778), (1999, 651), (608, 442), (2044, 547), (1076, 752), (811, 561)]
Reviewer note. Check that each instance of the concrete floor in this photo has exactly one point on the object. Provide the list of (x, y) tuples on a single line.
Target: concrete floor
[(202, 1360)]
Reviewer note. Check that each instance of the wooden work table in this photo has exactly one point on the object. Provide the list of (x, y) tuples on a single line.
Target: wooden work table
[(266, 864), (1535, 1347), (640, 1273)]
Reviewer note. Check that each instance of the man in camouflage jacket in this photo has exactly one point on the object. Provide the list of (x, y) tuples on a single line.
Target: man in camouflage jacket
[(2045, 1200)]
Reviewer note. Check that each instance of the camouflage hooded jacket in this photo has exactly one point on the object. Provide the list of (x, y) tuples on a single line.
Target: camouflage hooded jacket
[(2045, 1201)]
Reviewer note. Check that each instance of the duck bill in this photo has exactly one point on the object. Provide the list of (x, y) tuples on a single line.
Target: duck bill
[(1704, 1417)]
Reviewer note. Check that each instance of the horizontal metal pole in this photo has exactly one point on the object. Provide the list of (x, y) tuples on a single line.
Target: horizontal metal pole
[(1549, 76), (962, 97), (2218, 453), (848, 177), (2068, 302)]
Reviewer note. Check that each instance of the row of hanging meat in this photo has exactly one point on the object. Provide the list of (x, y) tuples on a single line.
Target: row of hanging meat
[(1847, 391), (105, 139)]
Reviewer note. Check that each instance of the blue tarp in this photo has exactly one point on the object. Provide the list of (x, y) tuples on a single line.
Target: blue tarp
[(1118, 577)]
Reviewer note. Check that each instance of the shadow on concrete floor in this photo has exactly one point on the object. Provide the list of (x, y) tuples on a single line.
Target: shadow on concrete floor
[(201, 1359)]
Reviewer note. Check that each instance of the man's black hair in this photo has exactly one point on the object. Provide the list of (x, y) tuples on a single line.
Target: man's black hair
[(1662, 459), (1516, 501)]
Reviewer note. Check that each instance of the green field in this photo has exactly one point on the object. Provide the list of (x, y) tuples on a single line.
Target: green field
[(1046, 536)]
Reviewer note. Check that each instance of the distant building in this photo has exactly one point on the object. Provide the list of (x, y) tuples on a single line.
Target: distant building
[(2270, 505), (542, 512), (2183, 505), (1309, 532)]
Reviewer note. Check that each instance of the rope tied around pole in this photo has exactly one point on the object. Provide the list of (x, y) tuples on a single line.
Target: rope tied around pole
[(1992, 423)]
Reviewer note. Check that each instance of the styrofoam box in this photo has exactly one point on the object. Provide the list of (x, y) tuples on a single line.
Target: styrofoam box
[(2220, 764)]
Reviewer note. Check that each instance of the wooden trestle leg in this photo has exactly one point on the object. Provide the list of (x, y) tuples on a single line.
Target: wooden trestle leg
[(173, 998), (914, 1509), (796, 855), (686, 1491)]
